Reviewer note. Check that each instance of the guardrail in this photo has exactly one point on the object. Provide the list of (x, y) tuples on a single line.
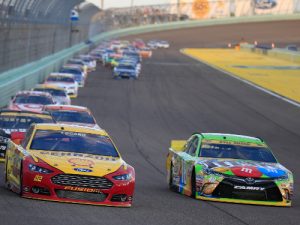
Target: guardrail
[(27, 76)]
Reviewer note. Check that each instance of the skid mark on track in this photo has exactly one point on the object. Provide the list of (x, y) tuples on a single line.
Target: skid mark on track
[(135, 141)]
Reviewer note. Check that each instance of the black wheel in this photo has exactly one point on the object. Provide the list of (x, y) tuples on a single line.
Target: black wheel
[(5, 177), (171, 185), (21, 180), (193, 185)]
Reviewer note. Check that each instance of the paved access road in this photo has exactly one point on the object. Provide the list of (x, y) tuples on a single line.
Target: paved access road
[(174, 97)]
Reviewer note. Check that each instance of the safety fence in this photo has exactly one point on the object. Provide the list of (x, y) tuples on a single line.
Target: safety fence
[(33, 29), (34, 41)]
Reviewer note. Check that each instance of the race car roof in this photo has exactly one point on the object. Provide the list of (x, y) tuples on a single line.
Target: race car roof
[(48, 86), (231, 137), (62, 75), (67, 108), (70, 128), (34, 93)]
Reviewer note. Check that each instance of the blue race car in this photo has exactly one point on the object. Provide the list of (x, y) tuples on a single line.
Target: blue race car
[(126, 71)]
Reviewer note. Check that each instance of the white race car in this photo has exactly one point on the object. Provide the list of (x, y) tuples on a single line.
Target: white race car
[(64, 80)]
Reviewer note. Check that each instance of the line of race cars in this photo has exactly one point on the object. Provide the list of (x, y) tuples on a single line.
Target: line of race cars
[(125, 58), (57, 151)]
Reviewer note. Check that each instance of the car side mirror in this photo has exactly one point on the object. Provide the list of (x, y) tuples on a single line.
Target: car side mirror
[(17, 137)]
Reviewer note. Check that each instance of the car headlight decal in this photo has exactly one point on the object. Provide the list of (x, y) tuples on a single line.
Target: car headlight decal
[(38, 169), (123, 177)]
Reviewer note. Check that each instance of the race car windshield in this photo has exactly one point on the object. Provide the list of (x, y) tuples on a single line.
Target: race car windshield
[(125, 67), (73, 117), (75, 62), (66, 141), (254, 153), (53, 92), (72, 71), (61, 79), (21, 122), (30, 99)]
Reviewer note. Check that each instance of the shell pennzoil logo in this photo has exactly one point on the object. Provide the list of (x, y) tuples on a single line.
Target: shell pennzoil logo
[(201, 8), (81, 162)]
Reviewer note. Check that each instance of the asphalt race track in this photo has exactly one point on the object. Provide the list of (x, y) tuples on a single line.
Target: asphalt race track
[(174, 97)]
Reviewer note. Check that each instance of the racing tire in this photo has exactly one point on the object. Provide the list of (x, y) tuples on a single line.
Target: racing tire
[(193, 185), (21, 180), (172, 187), (5, 175)]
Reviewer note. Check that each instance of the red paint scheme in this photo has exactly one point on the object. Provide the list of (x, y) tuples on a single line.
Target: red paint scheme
[(32, 179), (246, 171), (17, 137)]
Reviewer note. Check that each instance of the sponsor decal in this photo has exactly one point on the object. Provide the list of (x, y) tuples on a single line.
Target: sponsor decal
[(249, 188), (265, 4), (38, 178), (249, 181), (72, 154), (233, 143), (81, 162), (246, 171), (83, 170), (73, 134), (82, 189), (272, 172)]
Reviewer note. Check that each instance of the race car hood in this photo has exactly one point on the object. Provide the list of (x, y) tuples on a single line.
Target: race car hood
[(245, 168), (78, 163)]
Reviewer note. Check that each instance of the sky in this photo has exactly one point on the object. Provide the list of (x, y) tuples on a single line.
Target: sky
[(126, 3)]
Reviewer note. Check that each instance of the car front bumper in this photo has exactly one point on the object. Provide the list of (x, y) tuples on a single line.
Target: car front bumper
[(39, 186)]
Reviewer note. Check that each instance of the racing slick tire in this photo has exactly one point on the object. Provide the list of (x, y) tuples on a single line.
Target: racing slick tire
[(171, 185), (193, 185)]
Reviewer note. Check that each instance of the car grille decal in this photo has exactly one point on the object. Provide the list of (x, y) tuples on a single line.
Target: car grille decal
[(82, 181)]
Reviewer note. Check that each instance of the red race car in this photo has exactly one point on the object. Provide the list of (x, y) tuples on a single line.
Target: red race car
[(69, 163), (30, 101)]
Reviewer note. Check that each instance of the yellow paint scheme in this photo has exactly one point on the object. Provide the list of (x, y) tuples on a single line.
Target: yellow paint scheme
[(26, 114), (49, 86), (64, 161), (248, 202), (178, 145), (285, 82), (72, 96)]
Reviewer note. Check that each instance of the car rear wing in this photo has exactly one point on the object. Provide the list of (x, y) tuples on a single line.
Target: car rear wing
[(177, 145)]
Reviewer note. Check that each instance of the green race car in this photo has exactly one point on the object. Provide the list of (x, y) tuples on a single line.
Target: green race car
[(228, 168)]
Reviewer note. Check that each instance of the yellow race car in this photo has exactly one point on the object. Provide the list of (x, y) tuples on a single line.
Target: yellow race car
[(69, 163)]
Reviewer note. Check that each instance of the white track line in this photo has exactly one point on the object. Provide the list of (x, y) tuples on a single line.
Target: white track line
[(245, 81)]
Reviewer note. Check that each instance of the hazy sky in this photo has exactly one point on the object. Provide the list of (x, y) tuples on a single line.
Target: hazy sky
[(126, 3)]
